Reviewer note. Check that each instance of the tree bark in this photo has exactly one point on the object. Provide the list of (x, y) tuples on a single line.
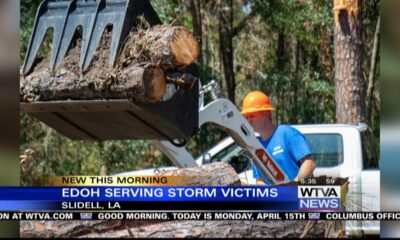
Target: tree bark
[(215, 174), (195, 11), (295, 46), (69, 229), (371, 76), (349, 84), (165, 46), (281, 60), (225, 27), (142, 82), (280, 51), (212, 229), (174, 229)]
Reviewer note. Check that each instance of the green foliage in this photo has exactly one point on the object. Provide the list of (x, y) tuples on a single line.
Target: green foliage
[(296, 18), (28, 13), (312, 102), (172, 12)]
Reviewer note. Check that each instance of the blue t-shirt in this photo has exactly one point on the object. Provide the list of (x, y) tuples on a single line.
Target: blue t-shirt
[(287, 146)]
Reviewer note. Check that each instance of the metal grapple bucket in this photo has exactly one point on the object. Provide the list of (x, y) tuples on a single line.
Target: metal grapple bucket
[(176, 118)]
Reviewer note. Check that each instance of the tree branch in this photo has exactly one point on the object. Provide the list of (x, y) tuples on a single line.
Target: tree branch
[(371, 76), (236, 30)]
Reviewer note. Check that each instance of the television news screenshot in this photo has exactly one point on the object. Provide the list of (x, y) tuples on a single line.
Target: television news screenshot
[(199, 119)]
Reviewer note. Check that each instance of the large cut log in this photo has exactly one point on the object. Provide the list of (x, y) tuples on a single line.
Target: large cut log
[(137, 75), (143, 82), (171, 229), (216, 174), (227, 229), (166, 46)]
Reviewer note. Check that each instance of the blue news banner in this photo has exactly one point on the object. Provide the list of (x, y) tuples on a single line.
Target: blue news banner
[(161, 198)]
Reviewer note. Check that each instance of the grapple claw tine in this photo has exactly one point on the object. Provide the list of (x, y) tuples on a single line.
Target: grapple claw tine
[(37, 37), (46, 17), (67, 32)]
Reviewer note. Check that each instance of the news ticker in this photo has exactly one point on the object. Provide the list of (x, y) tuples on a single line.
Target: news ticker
[(171, 216)]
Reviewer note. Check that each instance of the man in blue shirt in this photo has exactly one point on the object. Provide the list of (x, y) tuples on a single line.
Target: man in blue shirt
[(286, 145)]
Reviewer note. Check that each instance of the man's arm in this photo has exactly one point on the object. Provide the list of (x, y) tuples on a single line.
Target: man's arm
[(306, 169), (260, 181)]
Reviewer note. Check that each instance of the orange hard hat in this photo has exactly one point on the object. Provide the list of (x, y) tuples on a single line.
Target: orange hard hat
[(256, 101)]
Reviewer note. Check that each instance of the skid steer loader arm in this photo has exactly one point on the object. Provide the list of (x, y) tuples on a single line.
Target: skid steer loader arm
[(225, 115)]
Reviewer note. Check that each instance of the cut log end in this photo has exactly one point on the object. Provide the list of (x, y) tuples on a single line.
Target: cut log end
[(155, 84), (184, 47), (144, 82)]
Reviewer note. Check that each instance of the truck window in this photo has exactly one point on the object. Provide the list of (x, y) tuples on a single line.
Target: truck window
[(327, 149), (370, 156), (233, 155)]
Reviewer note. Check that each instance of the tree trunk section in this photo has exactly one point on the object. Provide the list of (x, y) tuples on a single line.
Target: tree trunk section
[(165, 46), (281, 59), (213, 229), (226, 46), (295, 46), (195, 11), (280, 51), (142, 82), (371, 76), (349, 84), (174, 229), (215, 174)]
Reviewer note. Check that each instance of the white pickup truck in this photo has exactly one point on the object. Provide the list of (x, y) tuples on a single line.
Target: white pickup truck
[(339, 150)]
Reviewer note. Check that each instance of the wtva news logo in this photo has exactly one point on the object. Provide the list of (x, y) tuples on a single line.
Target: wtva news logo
[(319, 198)]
